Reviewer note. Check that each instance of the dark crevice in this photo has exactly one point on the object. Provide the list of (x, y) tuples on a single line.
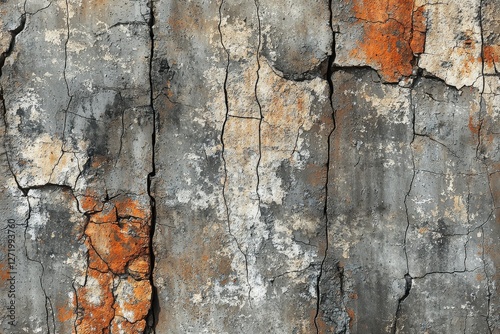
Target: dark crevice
[(257, 56), (408, 284), (10, 49), (329, 74), (153, 314), (226, 102), (408, 279), (3, 57)]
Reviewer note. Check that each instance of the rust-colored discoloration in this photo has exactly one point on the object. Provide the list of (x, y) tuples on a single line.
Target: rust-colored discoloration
[(417, 42), (117, 239), (129, 207), (140, 267), (120, 325), (491, 57), (473, 127), (4, 271), (117, 245), (66, 312), (352, 317), (316, 175), (393, 32), (95, 301), (133, 299), (320, 324)]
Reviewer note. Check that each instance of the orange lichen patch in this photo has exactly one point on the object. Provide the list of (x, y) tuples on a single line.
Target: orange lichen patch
[(392, 33), (95, 301), (491, 56), (131, 208), (353, 296), (139, 268), (352, 316), (117, 245), (132, 299), (122, 326), (417, 42)]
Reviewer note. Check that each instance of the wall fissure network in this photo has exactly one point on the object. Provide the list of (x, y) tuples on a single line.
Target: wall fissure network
[(267, 166)]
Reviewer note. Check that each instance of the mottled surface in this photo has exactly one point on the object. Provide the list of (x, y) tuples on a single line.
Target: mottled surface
[(249, 166)]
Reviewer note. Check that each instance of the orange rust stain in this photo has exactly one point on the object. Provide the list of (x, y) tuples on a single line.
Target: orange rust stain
[(352, 316), (107, 215), (417, 42), (491, 55), (117, 245), (95, 262), (4, 271), (392, 33), (96, 303), (353, 296), (134, 301), (129, 207), (140, 267), (479, 277), (120, 325), (117, 242), (66, 312), (474, 128)]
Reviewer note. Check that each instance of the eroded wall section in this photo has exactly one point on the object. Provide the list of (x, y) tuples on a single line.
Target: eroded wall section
[(175, 166)]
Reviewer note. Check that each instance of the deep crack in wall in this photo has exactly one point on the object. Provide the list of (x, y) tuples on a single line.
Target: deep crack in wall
[(249, 166)]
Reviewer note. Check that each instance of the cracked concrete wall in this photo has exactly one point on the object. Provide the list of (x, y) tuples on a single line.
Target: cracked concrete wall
[(250, 166)]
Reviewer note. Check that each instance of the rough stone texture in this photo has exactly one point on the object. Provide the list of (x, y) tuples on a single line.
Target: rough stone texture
[(250, 166)]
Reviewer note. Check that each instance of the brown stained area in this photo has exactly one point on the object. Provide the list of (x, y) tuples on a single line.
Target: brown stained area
[(4, 271), (120, 325), (117, 245), (133, 299), (66, 312), (117, 239), (393, 32), (473, 126), (417, 42), (322, 326), (352, 317), (491, 56), (95, 301)]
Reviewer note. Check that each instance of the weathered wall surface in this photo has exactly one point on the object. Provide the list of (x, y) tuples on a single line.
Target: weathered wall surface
[(174, 166)]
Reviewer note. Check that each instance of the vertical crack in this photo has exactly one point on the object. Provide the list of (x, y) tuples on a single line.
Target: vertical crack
[(226, 101), (152, 317), (329, 74), (261, 116), (407, 277), (49, 312), (3, 57), (483, 81)]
